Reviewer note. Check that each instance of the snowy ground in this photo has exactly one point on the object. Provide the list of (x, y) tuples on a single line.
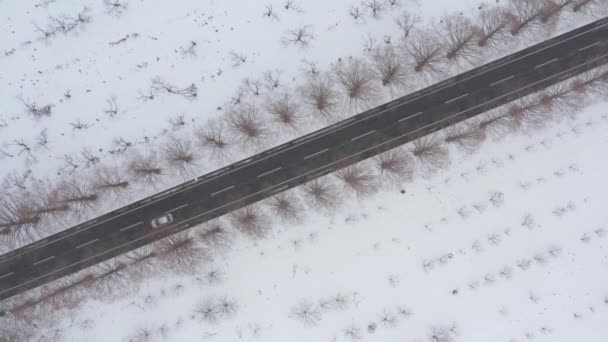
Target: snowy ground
[(509, 244)]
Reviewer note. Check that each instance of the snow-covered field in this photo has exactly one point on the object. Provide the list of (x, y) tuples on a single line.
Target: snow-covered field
[(505, 244)]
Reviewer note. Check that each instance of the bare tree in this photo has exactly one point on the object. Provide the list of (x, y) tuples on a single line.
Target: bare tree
[(285, 111), (356, 13), (390, 69), (358, 179), (252, 221), (492, 27), (111, 280), (43, 138), (441, 333), (110, 180), (322, 194), (115, 8), (406, 22), (353, 333), (293, 5), (142, 261), (272, 79), (426, 53), (320, 95), (213, 137), (528, 113), (121, 145), (181, 155), (226, 307), (395, 166), (496, 123), (48, 201), (467, 137), (146, 167), (594, 82), (553, 10), (306, 312), (458, 36), (177, 121), (25, 150), (18, 222), (142, 335), (561, 99), (215, 236), (189, 49), (247, 126), (524, 16), (270, 13), (181, 253), (287, 207), (65, 293), (78, 194), (190, 92), (375, 8), (34, 110), (89, 157), (300, 37), (356, 80), (112, 109), (207, 311), (430, 153), (590, 6), (237, 58)]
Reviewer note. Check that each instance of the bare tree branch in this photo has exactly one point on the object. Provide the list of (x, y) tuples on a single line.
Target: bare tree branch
[(458, 35), (181, 253), (467, 137), (322, 194), (356, 79), (430, 154), (391, 70), (406, 22), (247, 127), (215, 236), (426, 52), (287, 207), (189, 92), (285, 112), (492, 27), (212, 137), (320, 95), (300, 37), (252, 221), (146, 167), (358, 179), (395, 166), (181, 155)]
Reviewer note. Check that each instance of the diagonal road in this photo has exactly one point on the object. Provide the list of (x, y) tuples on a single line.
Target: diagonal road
[(306, 158)]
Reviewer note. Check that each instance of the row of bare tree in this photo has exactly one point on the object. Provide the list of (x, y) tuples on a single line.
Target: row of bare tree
[(186, 251)]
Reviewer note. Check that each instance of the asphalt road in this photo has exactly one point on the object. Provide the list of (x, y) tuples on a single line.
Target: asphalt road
[(306, 158)]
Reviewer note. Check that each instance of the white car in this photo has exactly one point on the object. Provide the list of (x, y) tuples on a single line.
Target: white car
[(161, 221)]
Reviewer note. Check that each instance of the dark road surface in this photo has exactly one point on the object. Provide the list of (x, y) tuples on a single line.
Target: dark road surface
[(303, 159)]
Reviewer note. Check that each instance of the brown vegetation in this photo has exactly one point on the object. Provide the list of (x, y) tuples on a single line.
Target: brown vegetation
[(321, 97), (287, 207), (430, 153), (356, 80), (395, 166), (358, 179)]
